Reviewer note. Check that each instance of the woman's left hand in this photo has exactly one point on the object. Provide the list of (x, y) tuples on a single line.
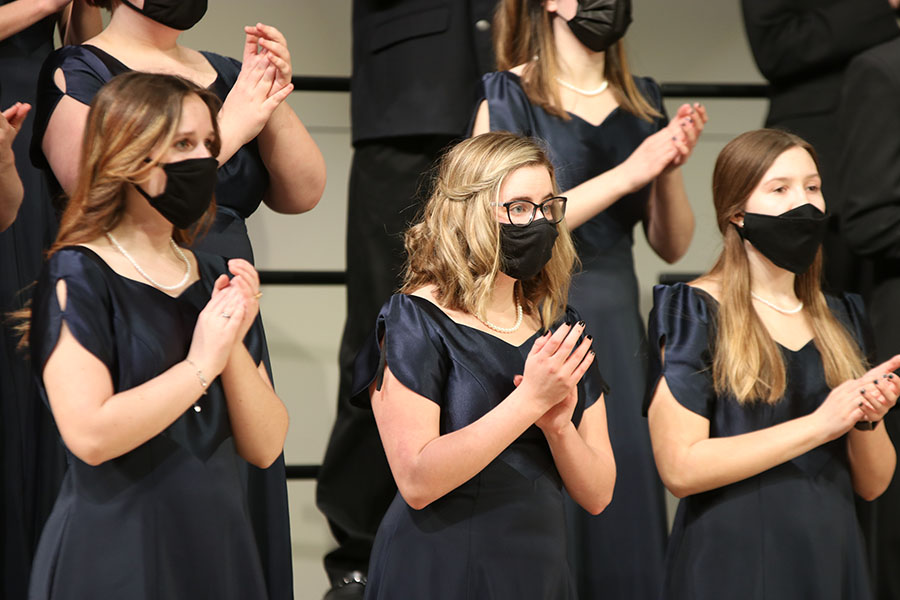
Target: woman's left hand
[(879, 391), (274, 47), (246, 281), (686, 128)]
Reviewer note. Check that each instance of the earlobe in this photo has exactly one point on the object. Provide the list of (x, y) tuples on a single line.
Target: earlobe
[(551, 6), (738, 219)]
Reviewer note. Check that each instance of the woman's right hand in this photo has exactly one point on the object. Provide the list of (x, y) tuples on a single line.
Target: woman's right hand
[(218, 326), (651, 158), (555, 365), (846, 405)]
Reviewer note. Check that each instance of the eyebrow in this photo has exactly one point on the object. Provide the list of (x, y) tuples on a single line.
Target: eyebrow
[(808, 176), (527, 199)]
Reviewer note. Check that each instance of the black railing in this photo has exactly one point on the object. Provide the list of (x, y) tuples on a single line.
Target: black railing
[(342, 84)]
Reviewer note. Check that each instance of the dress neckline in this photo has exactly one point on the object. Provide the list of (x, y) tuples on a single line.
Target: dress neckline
[(108, 58), (431, 306), (575, 116), (706, 294), (99, 259)]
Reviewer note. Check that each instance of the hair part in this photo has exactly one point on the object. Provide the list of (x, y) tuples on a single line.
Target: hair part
[(523, 34), (747, 361), (455, 246)]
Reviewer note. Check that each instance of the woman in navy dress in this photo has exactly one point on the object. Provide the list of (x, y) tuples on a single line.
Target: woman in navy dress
[(763, 417), (267, 156), (484, 388), (150, 358), (564, 78)]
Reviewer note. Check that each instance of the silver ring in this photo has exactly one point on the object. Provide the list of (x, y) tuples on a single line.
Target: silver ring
[(226, 316)]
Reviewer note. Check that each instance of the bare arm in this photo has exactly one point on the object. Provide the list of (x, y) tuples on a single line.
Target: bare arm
[(79, 23), (669, 224), (427, 465), (872, 454), (22, 14), (97, 424), (690, 462)]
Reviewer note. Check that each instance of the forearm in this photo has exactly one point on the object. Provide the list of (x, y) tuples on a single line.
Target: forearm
[(588, 473), (596, 195), (716, 462), (21, 14), (295, 164), (259, 420), (83, 23), (11, 194), (130, 418), (670, 220), (872, 461), (447, 461)]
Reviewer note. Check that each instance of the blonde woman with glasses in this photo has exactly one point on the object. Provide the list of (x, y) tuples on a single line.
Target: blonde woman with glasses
[(484, 388)]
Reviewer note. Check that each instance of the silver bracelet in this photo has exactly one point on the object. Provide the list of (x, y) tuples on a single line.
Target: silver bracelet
[(203, 382)]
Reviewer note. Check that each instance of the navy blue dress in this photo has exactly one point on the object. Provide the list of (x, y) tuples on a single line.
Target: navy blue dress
[(788, 533), (31, 461), (618, 554), (243, 181), (501, 535), (167, 519)]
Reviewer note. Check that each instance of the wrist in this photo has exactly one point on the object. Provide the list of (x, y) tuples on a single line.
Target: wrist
[(199, 374), (558, 431)]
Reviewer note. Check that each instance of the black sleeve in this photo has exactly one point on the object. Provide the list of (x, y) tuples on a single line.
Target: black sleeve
[(869, 175), (790, 40)]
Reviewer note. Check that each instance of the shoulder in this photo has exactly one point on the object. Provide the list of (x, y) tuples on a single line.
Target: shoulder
[(848, 308), (78, 60), (681, 300), (502, 81), (224, 65), (78, 262), (650, 90)]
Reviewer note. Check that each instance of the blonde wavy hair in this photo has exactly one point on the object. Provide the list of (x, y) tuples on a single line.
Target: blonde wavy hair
[(747, 360), (523, 31), (456, 245)]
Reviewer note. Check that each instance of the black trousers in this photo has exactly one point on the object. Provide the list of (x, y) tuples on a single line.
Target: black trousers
[(389, 180)]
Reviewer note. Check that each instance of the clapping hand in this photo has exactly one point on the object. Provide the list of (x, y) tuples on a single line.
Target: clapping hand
[(245, 282)]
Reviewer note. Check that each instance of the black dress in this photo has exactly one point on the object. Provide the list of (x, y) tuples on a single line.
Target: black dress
[(500, 535), (788, 533), (31, 460), (243, 181), (167, 519), (618, 554)]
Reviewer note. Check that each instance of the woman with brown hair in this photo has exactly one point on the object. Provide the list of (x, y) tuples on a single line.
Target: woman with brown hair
[(150, 358), (763, 415), (484, 389), (563, 77)]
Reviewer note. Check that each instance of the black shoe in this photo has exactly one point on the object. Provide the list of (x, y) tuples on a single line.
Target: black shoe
[(351, 587)]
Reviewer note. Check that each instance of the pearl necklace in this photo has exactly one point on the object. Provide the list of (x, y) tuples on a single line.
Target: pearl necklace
[(137, 267), (512, 329), (786, 311), (578, 90)]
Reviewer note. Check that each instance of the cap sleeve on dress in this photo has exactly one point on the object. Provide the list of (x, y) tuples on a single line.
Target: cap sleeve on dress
[(653, 94), (406, 340), (592, 384), (850, 311), (508, 105), (681, 321), (88, 313)]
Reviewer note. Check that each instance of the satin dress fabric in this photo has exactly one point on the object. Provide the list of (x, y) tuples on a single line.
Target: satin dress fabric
[(243, 181), (617, 555), (501, 535), (790, 532), (169, 518)]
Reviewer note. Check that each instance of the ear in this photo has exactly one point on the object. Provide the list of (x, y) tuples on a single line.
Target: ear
[(551, 6), (738, 219)]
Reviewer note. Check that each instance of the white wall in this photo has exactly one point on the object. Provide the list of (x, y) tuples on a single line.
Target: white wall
[(686, 41)]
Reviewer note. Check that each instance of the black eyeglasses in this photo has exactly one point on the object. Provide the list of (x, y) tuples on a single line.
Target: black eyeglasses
[(522, 212)]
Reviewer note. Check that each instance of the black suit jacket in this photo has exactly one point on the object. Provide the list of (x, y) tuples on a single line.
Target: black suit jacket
[(802, 47), (417, 65), (869, 175)]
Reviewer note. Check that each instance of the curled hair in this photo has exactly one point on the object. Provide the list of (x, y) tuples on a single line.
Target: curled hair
[(456, 244), (131, 118), (747, 360), (523, 31)]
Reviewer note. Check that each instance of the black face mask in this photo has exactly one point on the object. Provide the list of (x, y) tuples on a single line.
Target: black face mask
[(598, 24), (177, 14), (790, 240), (525, 250), (189, 190)]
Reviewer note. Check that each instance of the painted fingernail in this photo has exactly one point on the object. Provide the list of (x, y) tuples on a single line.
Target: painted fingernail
[(690, 119), (581, 323), (860, 404), (674, 139), (875, 381), (862, 391), (890, 375), (589, 337)]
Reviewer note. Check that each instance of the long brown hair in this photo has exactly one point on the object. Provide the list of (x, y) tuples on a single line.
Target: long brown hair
[(456, 244), (523, 32), (131, 117), (747, 361)]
